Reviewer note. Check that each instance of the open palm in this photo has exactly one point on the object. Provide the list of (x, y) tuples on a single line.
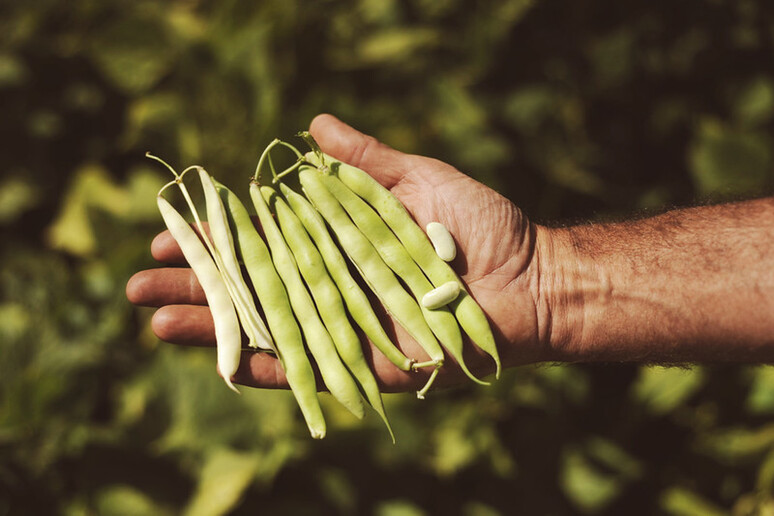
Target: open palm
[(495, 259)]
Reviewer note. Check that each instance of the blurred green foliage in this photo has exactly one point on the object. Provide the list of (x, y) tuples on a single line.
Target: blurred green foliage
[(574, 110)]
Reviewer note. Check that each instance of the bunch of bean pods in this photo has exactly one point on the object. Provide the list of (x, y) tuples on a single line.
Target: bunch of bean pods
[(298, 274)]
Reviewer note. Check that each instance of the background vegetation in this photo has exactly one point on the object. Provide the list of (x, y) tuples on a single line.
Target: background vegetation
[(574, 110)]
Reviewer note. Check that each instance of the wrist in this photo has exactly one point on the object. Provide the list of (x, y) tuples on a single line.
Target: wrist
[(564, 276)]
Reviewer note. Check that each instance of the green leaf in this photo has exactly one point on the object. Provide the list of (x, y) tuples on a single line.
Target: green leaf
[(12, 71), (71, 231), (726, 162), (760, 399), (338, 489), (225, 476), (133, 53), (662, 389), (679, 501), (155, 112), (92, 188), (123, 500), (398, 508), (17, 195), (479, 509), (529, 107), (614, 458), (755, 104), (765, 480), (589, 488), (737, 445), (395, 44)]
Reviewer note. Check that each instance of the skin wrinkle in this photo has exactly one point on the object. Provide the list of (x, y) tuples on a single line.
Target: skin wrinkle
[(670, 279), (546, 324)]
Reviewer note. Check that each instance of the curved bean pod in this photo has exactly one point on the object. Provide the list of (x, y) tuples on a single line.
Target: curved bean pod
[(441, 321), (279, 315), (357, 302), (470, 316), (372, 268), (225, 258), (328, 299), (334, 374), (227, 330)]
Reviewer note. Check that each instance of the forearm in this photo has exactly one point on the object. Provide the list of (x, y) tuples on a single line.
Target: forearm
[(690, 285)]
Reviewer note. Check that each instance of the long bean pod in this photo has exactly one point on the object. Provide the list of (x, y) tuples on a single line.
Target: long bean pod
[(225, 258), (273, 297), (354, 297), (227, 331), (441, 321), (468, 312), (328, 300), (374, 271), (334, 373)]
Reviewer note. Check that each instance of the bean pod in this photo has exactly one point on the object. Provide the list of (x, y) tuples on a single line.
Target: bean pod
[(227, 330)]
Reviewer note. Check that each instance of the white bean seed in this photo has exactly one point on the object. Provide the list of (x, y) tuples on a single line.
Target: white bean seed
[(441, 296), (442, 241)]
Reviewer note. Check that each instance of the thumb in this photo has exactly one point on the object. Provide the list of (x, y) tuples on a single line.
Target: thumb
[(349, 145)]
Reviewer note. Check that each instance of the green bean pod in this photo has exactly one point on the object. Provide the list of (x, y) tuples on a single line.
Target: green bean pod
[(335, 375), (225, 258), (375, 272), (227, 333), (469, 314), (354, 297), (272, 295), (441, 321), (328, 300)]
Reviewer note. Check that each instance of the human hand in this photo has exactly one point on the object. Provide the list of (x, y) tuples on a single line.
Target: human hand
[(496, 260)]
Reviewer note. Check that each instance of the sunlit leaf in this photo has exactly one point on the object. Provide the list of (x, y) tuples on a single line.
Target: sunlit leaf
[(479, 509), (398, 508), (614, 457), (588, 487), (529, 107), (12, 71), (92, 188), (161, 111), (678, 501), (338, 488), (71, 230), (727, 162), (223, 479), (133, 52), (611, 58), (122, 500), (760, 400), (737, 444), (17, 195), (394, 45), (755, 104), (765, 481), (662, 389)]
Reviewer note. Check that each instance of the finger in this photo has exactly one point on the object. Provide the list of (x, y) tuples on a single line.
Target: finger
[(164, 249), (166, 286), (385, 164), (262, 370), (185, 325)]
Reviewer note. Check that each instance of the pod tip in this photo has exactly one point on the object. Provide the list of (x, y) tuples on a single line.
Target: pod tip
[(230, 385)]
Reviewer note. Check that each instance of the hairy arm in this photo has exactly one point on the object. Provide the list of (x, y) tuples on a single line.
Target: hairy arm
[(691, 285)]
